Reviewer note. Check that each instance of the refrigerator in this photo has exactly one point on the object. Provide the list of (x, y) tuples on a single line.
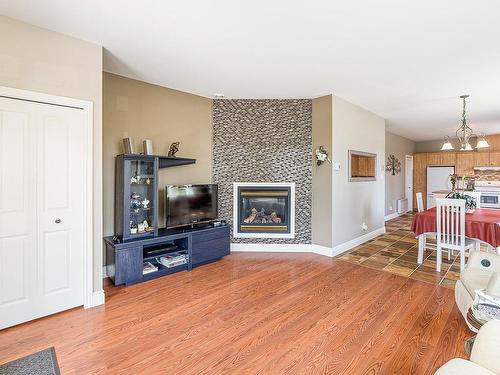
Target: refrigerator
[(438, 178)]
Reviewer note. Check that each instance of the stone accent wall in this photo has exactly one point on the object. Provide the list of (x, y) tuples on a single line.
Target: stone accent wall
[(267, 140)]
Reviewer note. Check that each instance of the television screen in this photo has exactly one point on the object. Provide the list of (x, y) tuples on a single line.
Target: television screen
[(188, 204)]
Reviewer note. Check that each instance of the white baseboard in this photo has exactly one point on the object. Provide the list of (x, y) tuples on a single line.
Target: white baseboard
[(321, 250), (98, 298), (272, 248), (392, 216), (343, 247), (282, 248)]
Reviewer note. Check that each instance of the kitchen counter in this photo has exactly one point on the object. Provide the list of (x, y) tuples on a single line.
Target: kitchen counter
[(446, 192)]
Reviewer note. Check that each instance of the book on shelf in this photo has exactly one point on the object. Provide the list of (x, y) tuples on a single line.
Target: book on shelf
[(172, 260), (148, 267)]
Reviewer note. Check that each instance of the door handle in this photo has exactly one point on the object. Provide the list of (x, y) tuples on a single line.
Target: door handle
[(58, 221)]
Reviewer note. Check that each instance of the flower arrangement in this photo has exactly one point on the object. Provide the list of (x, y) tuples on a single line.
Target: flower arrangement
[(322, 156), (470, 202)]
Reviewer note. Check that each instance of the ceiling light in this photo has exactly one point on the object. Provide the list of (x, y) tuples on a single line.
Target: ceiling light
[(466, 147), (464, 134), (218, 96), (447, 144), (482, 142)]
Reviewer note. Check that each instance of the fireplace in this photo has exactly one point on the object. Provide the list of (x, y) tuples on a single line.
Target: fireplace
[(264, 210)]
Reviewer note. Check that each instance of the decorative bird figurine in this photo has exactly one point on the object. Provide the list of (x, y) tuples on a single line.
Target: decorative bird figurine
[(174, 147)]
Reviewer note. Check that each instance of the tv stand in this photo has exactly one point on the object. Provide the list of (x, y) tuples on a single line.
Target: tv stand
[(203, 244)]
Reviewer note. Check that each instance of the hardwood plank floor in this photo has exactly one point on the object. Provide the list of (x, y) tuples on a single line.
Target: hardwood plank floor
[(256, 313)]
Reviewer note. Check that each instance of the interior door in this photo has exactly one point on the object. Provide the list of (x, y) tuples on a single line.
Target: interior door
[(42, 176), (409, 180)]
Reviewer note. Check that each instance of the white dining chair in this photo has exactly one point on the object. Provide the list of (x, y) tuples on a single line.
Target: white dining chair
[(420, 208), (420, 202), (450, 229), (477, 197)]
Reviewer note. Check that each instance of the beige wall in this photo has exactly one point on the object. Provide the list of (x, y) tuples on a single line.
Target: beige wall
[(395, 185), (143, 111), (322, 175), (40, 60), (355, 203)]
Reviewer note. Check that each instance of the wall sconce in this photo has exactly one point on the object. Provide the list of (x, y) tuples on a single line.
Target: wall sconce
[(322, 156)]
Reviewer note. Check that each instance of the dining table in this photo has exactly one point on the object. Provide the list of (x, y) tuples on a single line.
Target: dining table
[(483, 224)]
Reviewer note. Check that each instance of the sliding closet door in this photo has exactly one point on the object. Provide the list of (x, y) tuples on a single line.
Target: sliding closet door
[(42, 178)]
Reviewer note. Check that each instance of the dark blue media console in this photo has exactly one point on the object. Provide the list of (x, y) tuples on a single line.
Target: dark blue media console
[(201, 245)]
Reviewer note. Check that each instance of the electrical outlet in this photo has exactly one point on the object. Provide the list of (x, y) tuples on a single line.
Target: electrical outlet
[(364, 226), (390, 208)]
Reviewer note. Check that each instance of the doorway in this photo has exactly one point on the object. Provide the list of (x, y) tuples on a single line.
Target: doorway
[(409, 181)]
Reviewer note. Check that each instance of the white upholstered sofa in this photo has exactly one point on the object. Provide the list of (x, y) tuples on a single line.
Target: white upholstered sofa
[(485, 355), (482, 272)]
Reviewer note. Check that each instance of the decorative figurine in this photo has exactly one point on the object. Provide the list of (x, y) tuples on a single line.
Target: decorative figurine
[(141, 228), (145, 203), (174, 147), (135, 201)]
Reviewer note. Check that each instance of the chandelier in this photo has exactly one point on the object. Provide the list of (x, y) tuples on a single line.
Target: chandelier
[(464, 133)]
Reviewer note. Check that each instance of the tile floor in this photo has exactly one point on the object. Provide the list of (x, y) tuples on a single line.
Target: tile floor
[(396, 252)]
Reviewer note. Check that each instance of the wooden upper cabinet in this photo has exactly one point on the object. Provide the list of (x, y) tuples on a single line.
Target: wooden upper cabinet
[(465, 164), (494, 159), (481, 159), (419, 177), (441, 158)]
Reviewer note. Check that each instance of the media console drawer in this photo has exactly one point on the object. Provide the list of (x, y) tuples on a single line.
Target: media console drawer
[(210, 245)]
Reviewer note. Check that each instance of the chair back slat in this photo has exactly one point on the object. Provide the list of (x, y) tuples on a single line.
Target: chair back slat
[(450, 223), (420, 202)]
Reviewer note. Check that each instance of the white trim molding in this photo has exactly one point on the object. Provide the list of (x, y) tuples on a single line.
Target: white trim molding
[(343, 247), (392, 216), (98, 298), (238, 234)]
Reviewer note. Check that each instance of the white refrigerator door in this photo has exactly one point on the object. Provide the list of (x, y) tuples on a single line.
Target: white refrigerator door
[(438, 178)]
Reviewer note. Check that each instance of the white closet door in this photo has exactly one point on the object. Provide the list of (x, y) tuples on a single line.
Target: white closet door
[(42, 177), (17, 213)]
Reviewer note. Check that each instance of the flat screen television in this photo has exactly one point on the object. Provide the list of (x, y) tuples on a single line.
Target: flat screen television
[(190, 204)]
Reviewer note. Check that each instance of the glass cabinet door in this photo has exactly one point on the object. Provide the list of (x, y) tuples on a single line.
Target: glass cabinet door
[(142, 197)]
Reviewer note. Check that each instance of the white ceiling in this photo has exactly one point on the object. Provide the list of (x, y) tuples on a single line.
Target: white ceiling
[(406, 60)]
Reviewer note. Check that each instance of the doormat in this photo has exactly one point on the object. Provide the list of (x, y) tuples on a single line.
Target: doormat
[(43, 362)]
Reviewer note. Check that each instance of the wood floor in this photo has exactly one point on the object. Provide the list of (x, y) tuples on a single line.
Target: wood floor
[(256, 313)]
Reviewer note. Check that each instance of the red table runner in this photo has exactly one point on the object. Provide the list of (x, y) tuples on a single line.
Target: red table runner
[(483, 224)]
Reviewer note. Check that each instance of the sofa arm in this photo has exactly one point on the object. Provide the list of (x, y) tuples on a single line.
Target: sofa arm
[(486, 349), (485, 261)]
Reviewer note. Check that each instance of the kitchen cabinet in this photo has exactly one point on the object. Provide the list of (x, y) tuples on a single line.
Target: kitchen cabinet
[(494, 159), (465, 163), (419, 177), (481, 159), (441, 158)]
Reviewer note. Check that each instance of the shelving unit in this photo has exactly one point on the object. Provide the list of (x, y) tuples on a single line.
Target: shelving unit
[(126, 252), (124, 260)]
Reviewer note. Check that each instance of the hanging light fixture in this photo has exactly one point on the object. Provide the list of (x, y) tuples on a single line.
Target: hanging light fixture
[(464, 133), (482, 143), (447, 144)]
